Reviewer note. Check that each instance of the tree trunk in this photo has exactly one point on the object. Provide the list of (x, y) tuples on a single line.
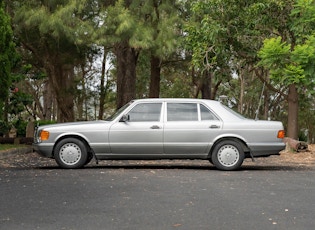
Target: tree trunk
[(266, 104), (102, 87), (81, 98), (62, 80), (65, 98), (206, 85), (293, 108), (48, 101), (126, 73), (215, 89), (155, 77), (241, 98)]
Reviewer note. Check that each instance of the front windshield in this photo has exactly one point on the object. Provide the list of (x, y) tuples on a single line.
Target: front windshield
[(118, 112)]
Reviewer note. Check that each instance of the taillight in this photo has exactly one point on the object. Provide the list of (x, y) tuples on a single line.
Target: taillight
[(281, 134), (44, 135)]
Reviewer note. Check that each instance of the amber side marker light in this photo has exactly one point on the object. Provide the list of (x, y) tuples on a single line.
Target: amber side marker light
[(44, 135), (281, 134)]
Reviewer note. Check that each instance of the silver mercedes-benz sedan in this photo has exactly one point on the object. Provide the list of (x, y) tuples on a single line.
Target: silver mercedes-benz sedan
[(148, 129)]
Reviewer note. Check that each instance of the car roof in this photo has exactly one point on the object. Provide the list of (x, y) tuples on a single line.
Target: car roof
[(177, 100)]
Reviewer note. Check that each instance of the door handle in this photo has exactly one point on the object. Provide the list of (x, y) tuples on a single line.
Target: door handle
[(155, 127), (214, 127)]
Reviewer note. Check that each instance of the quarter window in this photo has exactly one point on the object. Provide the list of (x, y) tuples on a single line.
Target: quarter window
[(206, 114), (145, 112)]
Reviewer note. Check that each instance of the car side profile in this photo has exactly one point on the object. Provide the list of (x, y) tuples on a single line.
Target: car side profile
[(153, 129)]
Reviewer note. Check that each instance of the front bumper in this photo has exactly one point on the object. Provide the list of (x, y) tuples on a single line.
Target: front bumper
[(43, 149)]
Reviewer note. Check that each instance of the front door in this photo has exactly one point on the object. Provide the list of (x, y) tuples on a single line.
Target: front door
[(140, 134)]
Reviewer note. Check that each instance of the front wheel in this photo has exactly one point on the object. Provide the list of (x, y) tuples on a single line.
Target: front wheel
[(71, 153), (227, 155)]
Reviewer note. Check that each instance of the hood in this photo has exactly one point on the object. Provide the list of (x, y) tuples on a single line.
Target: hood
[(73, 124)]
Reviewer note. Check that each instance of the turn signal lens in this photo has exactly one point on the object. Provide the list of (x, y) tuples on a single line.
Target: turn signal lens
[(44, 135), (281, 134)]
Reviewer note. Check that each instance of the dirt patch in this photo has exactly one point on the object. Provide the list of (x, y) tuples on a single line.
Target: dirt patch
[(306, 157)]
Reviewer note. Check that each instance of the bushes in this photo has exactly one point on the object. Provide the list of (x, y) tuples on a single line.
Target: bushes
[(21, 140), (4, 128), (20, 126)]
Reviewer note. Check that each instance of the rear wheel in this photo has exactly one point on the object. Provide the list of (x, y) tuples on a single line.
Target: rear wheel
[(228, 155), (71, 153), (89, 158)]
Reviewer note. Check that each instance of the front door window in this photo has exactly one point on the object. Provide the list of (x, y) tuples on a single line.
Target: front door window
[(145, 112)]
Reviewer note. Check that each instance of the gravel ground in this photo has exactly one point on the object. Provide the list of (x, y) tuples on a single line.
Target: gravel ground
[(305, 159)]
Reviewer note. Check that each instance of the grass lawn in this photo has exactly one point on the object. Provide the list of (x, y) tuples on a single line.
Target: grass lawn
[(9, 146)]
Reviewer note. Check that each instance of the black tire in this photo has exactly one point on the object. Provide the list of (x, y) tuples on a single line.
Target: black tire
[(89, 158), (228, 155), (71, 153)]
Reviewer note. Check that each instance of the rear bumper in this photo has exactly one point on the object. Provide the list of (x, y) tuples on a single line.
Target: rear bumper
[(267, 149), (42, 149)]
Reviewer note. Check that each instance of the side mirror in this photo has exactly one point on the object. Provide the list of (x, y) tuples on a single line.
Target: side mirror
[(124, 118)]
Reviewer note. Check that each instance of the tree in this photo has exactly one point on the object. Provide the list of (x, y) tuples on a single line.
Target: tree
[(290, 59), (164, 19), (132, 27), (49, 30), (117, 30), (213, 35), (7, 61)]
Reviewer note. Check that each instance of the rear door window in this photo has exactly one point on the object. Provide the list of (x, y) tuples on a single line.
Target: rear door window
[(182, 112)]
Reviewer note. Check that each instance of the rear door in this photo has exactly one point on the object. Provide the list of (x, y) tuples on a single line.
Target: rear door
[(189, 129)]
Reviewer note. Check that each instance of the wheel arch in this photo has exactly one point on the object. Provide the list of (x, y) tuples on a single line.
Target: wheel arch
[(241, 142), (84, 141)]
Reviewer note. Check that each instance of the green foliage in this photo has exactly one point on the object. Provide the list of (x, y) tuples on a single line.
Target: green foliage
[(221, 34), (20, 126), (7, 54), (149, 25), (176, 86), (303, 18), (274, 52), (45, 122), (18, 102), (290, 57), (4, 127), (289, 66), (307, 118), (54, 27), (59, 19)]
